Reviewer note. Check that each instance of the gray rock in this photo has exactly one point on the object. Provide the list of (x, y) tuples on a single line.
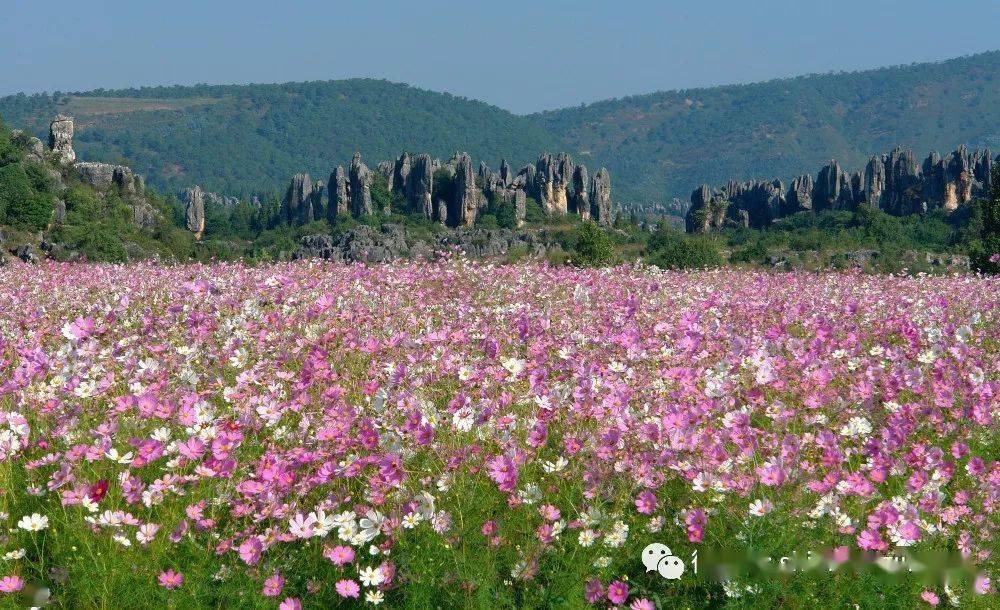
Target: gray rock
[(799, 196), (400, 174), (361, 184), (420, 186), (297, 205), (874, 181), (339, 201), (194, 211), (26, 252), (468, 198), (61, 139), (505, 173), (579, 201), (902, 181), (600, 198), (833, 190)]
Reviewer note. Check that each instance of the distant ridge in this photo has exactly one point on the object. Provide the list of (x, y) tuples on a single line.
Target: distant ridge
[(249, 138)]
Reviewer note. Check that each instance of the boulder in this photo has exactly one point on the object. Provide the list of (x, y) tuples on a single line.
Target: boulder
[(420, 186), (361, 183), (467, 200), (61, 139), (600, 197), (579, 202), (297, 205), (194, 211), (338, 200)]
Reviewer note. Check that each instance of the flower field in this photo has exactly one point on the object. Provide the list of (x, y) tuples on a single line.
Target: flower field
[(456, 435)]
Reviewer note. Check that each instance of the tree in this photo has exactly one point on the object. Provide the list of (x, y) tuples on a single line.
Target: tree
[(593, 246)]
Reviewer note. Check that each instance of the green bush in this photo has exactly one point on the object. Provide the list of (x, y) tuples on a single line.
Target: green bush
[(14, 189), (32, 213), (591, 246), (671, 249)]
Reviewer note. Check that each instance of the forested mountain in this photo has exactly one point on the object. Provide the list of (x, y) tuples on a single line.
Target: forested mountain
[(242, 139)]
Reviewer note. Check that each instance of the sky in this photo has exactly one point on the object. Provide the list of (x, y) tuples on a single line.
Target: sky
[(522, 56)]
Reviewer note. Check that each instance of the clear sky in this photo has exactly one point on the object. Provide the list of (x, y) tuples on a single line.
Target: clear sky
[(523, 56)]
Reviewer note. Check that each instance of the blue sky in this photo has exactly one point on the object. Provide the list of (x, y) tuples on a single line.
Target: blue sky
[(523, 56)]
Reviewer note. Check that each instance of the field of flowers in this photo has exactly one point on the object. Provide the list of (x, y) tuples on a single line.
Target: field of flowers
[(456, 435)]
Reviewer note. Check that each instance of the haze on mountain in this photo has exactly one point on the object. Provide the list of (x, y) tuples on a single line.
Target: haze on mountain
[(523, 56)]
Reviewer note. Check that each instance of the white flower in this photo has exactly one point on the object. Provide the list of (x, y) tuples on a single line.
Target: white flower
[(857, 427), (33, 523), (463, 419), (371, 577), (927, 357), (374, 597), (464, 373), (557, 466), (602, 562), (514, 366), (323, 523), (587, 537), (301, 526), (114, 456), (371, 525), (411, 520), (759, 508), (13, 555)]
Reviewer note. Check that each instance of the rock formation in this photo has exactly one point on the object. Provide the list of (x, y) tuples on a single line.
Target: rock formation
[(61, 139), (579, 202), (463, 211), (400, 174), (361, 184), (297, 206), (194, 211), (420, 186), (892, 182), (600, 197), (339, 201)]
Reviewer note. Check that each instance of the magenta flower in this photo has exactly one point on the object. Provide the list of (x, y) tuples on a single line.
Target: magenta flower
[(348, 588), (170, 579), (645, 502), (11, 584), (593, 591), (290, 603), (340, 555), (273, 585), (617, 592), (930, 597)]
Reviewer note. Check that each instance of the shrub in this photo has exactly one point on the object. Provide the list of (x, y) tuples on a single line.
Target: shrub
[(592, 246)]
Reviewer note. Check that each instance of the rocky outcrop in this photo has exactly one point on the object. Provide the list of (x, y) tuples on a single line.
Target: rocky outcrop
[(194, 211), (892, 182), (600, 197), (551, 179), (832, 190), (365, 244), (339, 201), (901, 195), (420, 186), (361, 184), (579, 201), (465, 207), (297, 206), (400, 174), (61, 139)]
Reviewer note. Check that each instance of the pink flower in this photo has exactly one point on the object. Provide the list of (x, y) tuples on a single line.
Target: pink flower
[(348, 588), (982, 584), (645, 503), (290, 603), (617, 592), (171, 579), (503, 471), (489, 528), (547, 511), (339, 555), (642, 604), (273, 585), (930, 597), (11, 584), (593, 591), (250, 550)]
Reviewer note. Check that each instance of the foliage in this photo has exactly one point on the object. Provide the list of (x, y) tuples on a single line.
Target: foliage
[(591, 246), (672, 249), (986, 253), (246, 139)]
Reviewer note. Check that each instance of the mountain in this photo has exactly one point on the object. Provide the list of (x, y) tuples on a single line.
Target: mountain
[(252, 138)]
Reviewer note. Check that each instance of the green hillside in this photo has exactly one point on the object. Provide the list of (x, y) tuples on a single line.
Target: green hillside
[(242, 139)]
